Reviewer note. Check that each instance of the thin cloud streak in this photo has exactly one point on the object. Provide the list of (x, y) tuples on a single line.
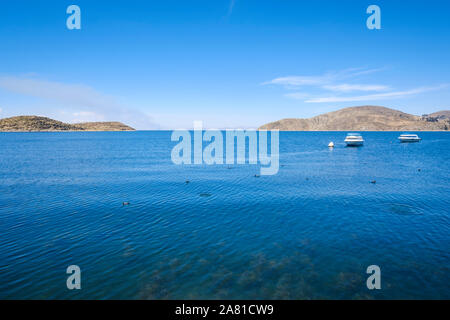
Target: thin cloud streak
[(356, 87), (297, 95), (231, 7), (321, 80), (379, 96), (301, 80), (367, 71)]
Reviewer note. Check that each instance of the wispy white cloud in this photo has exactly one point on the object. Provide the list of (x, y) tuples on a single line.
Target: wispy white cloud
[(378, 96), (333, 81), (364, 71), (83, 116), (77, 102), (297, 81), (328, 78), (70, 94), (297, 95), (356, 87)]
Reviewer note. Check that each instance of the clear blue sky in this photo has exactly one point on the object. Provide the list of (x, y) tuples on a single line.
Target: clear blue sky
[(242, 63)]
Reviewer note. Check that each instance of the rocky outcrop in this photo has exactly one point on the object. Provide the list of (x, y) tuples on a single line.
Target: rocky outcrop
[(35, 123)]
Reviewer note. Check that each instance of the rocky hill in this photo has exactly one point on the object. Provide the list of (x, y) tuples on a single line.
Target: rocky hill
[(103, 126), (35, 123), (365, 118), (445, 114)]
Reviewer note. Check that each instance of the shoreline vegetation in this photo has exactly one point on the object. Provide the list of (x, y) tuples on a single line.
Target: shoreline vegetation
[(44, 124), (363, 118)]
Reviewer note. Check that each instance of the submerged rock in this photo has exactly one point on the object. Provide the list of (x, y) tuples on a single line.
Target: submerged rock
[(404, 209), (205, 194)]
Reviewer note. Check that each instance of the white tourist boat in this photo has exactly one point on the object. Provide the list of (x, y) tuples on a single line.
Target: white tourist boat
[(354, 140), (409, 138)]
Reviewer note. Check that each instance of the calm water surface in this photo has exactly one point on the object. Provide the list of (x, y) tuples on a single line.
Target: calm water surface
[(308, 232)]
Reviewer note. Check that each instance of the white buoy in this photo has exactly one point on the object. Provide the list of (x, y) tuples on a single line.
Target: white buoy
[(331, 144)]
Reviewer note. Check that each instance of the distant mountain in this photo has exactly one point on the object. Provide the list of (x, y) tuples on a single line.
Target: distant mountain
[(365, 118), (35, 123)]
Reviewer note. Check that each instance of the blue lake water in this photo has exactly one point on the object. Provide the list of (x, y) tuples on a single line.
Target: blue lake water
[(308, 232)]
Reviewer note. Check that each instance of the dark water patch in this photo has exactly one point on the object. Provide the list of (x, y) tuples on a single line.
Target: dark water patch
[(404, 209)]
